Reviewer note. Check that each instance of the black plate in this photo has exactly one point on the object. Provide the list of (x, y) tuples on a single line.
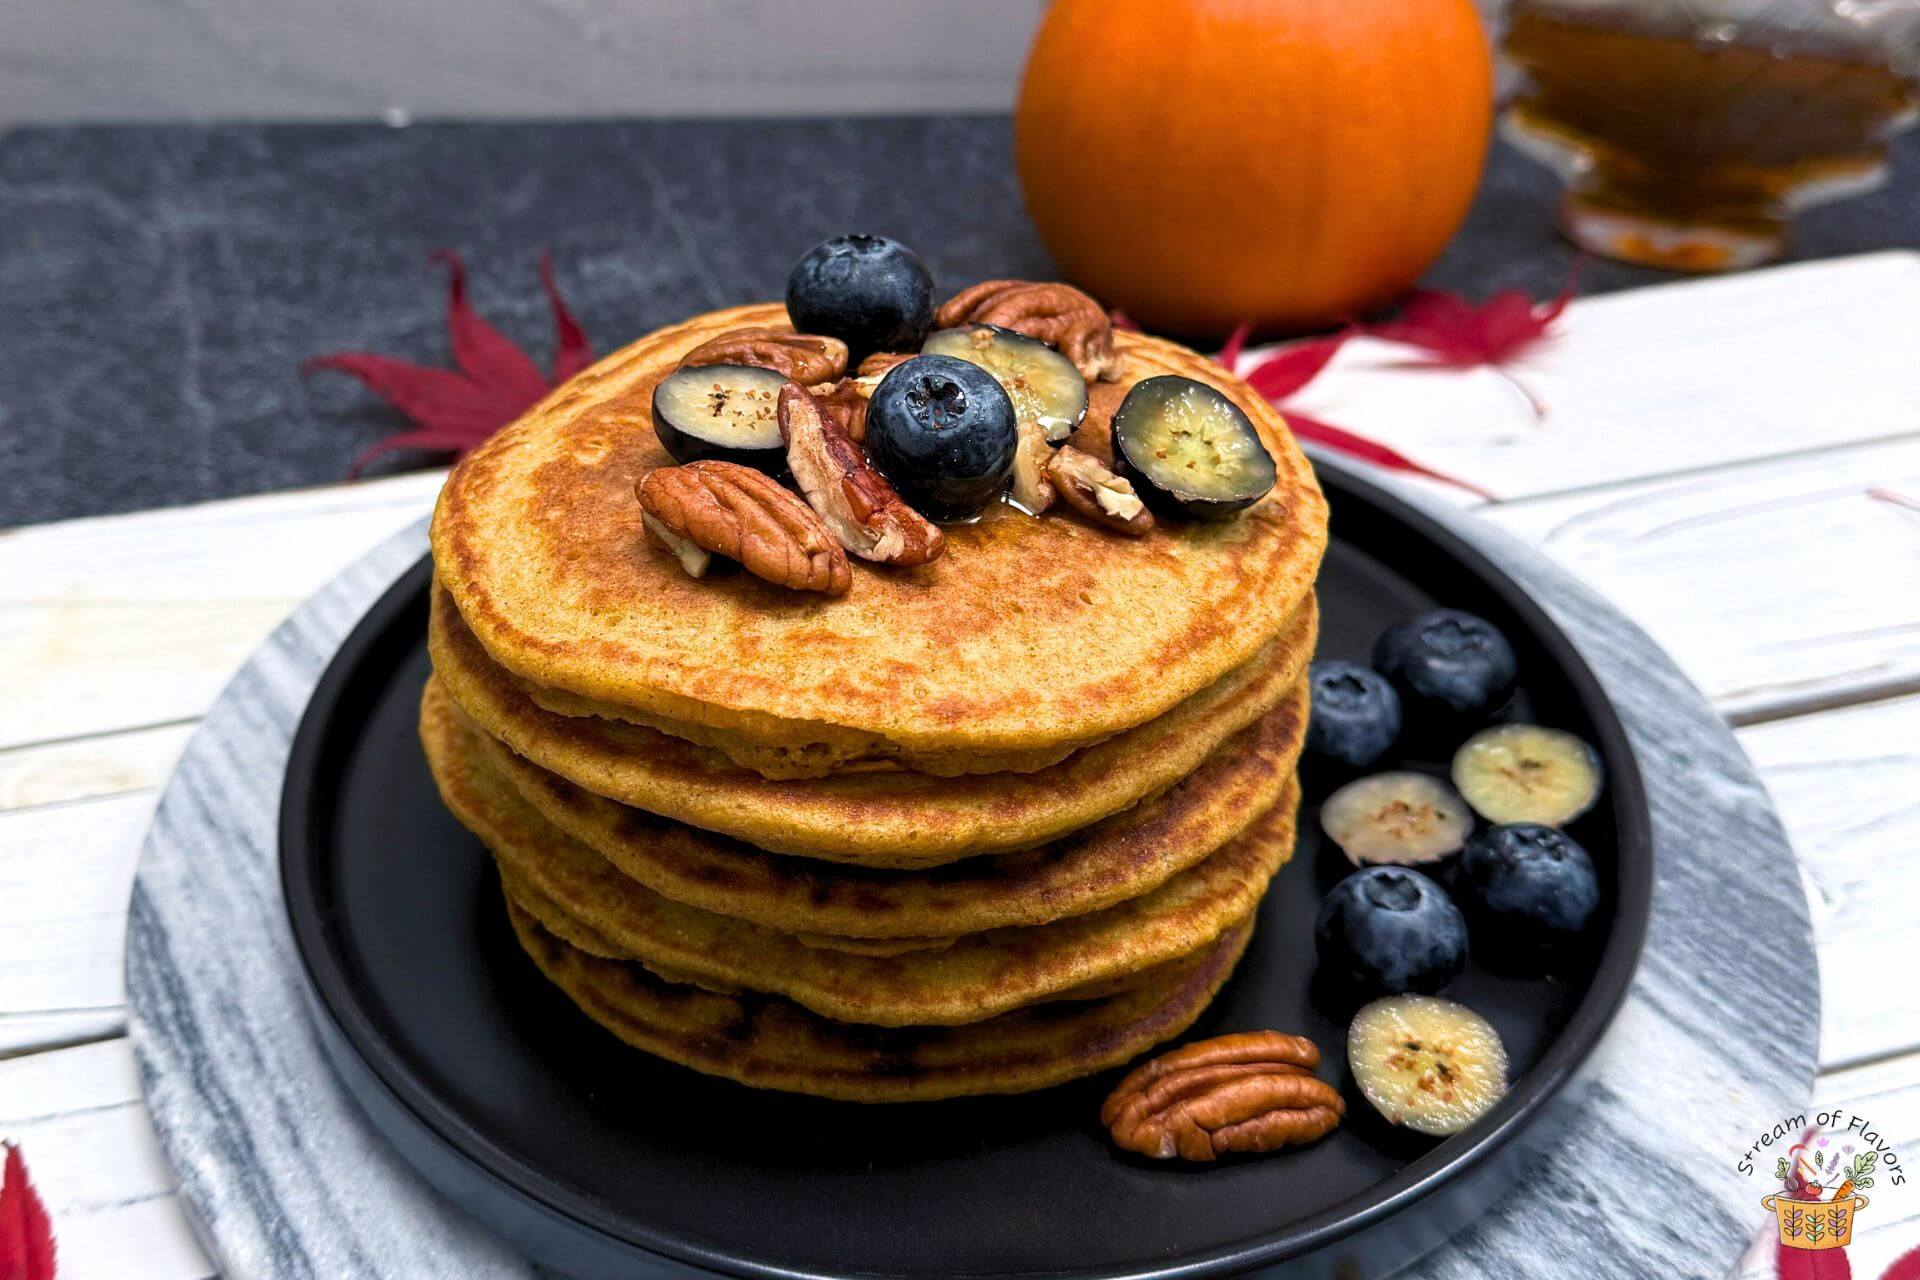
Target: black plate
[(602, 1161)]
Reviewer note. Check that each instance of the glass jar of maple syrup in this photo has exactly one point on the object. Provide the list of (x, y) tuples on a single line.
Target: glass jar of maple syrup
[(1688, 132)]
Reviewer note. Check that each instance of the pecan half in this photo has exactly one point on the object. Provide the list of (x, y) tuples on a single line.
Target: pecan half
[(805, 357), (1086, 485), (1255, 1091), (1050, 311), (860, 507), (740, 513)]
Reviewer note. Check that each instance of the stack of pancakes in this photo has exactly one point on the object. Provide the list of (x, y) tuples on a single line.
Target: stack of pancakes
[(977, 827)]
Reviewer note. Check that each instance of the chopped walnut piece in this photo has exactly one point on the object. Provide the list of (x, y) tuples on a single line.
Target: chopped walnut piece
[(877, 364), (845, 402), (807, 358), (1254, 1091), (864, 512), (1032, 491), (1086, 485), (1052, 312), (845, 405), (735, 511), (693, 557)]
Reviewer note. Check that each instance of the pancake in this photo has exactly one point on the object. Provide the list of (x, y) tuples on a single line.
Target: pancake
[(526, 895), (832, 905), (768, 1043), (897, 820), (806, 760), (874, 946), (1026, 635), (977, 977)]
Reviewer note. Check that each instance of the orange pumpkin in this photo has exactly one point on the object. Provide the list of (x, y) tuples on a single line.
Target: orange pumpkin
[(1292, 162)]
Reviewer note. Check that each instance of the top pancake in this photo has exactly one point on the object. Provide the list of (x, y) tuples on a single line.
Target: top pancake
[(1027, 634)]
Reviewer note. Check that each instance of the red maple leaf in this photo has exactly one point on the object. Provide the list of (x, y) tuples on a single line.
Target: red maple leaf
[(1293, 369), (496, 381), (1452, 333), (26, 1233), (1904, 1267)]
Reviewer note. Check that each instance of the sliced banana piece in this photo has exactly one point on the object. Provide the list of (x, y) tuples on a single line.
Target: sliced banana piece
[(1045, 388), (1408, 819), (1426, 1064), (1527, 773)]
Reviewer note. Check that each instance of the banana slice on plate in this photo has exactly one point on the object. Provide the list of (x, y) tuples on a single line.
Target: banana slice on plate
[(1407, 819), (1527, 773), (1427, 1064)]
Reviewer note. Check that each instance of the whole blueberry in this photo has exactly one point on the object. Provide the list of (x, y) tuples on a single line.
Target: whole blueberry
[(1391, 930), (1447, 661), (1530, 889), (872, 293), (1355, 713), (942, 430)]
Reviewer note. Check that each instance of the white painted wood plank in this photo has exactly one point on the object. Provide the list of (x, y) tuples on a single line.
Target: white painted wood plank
[(78, 1118), (31, 1032), (65, 875), (86, 768), (1778, 586), (1847, 787), (1659, 380), (134, 621)]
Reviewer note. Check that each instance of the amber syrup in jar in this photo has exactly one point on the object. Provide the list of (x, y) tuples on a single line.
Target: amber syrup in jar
[(1691, 147)]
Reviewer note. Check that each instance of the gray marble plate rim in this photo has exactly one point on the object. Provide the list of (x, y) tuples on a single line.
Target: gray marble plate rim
[(285, 1177)]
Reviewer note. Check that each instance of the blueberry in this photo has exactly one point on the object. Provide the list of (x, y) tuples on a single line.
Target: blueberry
[(943, 431), (1355, 714), (1392, 930), (727, 412), (1447, 661), (1530, 889), (872, 293), (1190, 452)]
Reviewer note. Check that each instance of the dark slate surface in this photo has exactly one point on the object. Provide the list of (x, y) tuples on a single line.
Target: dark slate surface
[(160, 286)]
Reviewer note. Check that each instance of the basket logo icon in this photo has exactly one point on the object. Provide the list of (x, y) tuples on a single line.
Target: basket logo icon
[(1819, 1194)]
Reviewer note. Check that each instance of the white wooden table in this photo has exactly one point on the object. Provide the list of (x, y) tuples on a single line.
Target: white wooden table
[(1735, 463)]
